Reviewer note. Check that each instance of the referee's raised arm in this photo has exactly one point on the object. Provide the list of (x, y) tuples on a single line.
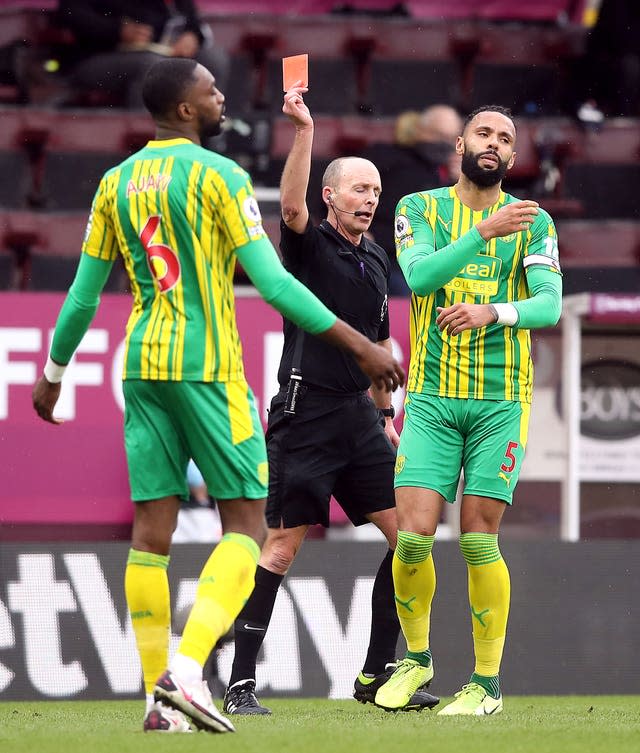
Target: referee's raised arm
[(295, 175)]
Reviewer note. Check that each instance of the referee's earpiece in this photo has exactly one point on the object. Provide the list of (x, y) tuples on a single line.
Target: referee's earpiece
[(336, 209)]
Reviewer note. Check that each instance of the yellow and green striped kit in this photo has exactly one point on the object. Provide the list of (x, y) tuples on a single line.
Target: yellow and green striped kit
[(491, 363), (177, 212)]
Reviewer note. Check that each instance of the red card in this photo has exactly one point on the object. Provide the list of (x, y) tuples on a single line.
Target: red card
[(294, 69)]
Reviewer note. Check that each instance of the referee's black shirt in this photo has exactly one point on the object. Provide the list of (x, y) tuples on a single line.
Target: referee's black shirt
[(350, 280)]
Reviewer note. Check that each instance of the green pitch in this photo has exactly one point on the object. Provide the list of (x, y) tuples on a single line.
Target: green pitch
[(531, 724)]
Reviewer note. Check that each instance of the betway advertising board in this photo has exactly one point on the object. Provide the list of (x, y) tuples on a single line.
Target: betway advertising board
[(65, 632), (76, 473)]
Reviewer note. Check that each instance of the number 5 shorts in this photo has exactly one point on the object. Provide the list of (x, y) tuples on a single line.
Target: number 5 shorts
[(215, 423), (443, 435)]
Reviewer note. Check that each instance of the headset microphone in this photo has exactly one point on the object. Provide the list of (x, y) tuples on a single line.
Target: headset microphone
[(344, 211)]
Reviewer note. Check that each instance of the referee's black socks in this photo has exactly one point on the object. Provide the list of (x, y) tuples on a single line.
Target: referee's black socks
[(251, 624), (385, 627)]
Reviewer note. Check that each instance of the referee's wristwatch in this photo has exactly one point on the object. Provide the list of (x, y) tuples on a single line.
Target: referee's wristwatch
[(389, 412)]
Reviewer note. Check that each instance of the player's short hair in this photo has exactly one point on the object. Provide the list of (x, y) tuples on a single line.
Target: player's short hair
[(489, 108), (165, 84)]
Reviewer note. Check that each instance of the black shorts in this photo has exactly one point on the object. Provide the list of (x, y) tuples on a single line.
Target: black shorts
[(334, 445)]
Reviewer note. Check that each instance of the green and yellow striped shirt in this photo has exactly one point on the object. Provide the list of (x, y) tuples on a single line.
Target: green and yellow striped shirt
[(494, 362), (176, 213)]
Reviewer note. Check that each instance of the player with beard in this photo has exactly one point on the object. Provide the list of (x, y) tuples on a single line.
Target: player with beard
[(483, 269), (180, 215)]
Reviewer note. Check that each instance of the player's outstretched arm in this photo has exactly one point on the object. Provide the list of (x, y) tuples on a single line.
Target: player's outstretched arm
[(298, 304), (75, 316), (375, 361)]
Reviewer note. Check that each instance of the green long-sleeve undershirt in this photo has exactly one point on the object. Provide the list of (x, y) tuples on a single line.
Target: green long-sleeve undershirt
[(79, 307), (427, 270), (282, 290), (261, 263), (544, 307)]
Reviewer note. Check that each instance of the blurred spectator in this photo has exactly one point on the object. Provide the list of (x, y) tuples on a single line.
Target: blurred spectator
[(405, 128), (421, 157), (608, 76), (116, 41)]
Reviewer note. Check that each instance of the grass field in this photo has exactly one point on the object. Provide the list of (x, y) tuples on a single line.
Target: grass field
[(531, 724)]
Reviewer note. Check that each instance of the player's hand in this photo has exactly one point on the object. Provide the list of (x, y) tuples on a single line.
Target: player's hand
[(294, 107), (390, 431), (455, 319), (44, 397), (380, 366), (510, 218)]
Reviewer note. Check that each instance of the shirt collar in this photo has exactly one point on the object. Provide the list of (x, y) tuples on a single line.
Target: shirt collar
[(164, 143), (328, 229)]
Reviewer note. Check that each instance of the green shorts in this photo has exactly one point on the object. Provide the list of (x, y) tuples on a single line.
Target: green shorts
[(215, 423), (441, 436)]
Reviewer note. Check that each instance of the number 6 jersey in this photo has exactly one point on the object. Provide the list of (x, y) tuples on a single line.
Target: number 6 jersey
[(177, 213)]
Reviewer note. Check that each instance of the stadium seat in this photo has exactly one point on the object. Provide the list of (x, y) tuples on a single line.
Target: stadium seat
[(7, 271), (55, 233), (525, 89), (41, 250), (70, 179), (552, 11), (599, 243), (607, 190), (617, 141), (600, 255), (16, 178), (332, 87), (242, 86), (398, 85), (257, 46)]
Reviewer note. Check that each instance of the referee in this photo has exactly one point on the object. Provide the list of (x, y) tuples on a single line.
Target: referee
[(326, 435)]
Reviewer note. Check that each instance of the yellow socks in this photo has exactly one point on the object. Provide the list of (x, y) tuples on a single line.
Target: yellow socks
[(225, 584), (414, 580), (489, 598), (147, 591)]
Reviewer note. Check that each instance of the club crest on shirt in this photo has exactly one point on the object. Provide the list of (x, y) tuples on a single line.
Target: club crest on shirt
[(399, 467)]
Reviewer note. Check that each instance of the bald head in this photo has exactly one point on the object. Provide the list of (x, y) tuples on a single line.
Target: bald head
[(347, 166), (351, 190), (439, 123)]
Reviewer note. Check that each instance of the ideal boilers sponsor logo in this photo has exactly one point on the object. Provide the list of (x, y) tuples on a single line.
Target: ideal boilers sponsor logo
[(610, 399)]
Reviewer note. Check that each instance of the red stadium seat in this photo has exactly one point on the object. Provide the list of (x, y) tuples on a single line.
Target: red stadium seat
[(599, 243)]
